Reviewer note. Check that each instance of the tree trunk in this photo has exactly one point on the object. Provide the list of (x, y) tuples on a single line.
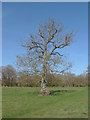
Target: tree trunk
[(44, 91), (43, 83), (43, 86)]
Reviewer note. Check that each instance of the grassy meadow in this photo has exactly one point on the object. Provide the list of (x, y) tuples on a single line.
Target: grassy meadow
[(0, 102), (64, 102)]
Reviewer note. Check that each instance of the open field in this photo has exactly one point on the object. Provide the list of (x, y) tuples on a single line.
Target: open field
[(0, 102), (64, 102)]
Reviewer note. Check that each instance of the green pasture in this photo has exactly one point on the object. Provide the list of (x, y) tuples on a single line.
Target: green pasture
[(64, 102)]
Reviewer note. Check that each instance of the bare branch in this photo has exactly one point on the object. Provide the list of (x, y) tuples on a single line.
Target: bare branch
[(55, 53), (68, 39), (31, 47), (41, 34), (51, 36)]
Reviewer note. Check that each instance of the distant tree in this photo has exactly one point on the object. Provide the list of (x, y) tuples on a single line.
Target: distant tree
[(8, 76), (44, 52), (68, 79), (0, 75)]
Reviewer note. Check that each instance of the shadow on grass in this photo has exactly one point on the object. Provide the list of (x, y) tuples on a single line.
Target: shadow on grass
[(60, 92)]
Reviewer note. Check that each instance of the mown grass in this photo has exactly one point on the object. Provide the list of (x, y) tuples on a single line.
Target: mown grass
[(0, 102), (25, 102)]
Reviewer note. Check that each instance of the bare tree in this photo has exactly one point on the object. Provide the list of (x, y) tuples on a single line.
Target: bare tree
[(44, 51)]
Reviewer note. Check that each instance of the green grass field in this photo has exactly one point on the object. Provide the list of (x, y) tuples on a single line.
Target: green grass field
[(0, 102), (63, 103)]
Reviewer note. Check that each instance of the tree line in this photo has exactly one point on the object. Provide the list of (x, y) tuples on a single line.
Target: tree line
[(10, 78)]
